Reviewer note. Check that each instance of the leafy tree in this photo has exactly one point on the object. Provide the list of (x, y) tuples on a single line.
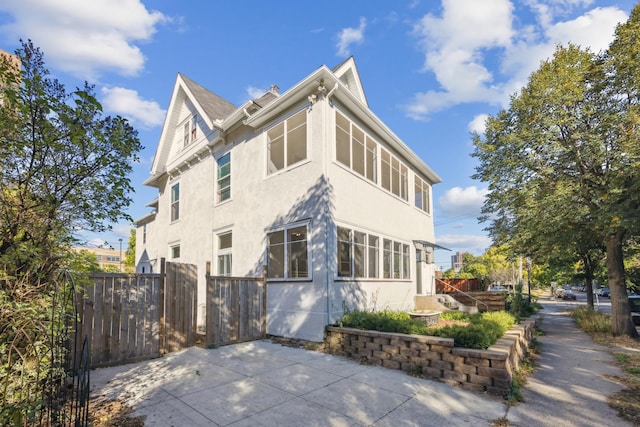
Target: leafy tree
[(65, 166), (562, 161), (130, 255)]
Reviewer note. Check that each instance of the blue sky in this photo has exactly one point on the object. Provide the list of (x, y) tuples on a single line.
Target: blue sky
[(431, 70)]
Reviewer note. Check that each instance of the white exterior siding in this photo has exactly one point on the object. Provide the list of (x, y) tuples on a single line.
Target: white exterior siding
[(318, 191)]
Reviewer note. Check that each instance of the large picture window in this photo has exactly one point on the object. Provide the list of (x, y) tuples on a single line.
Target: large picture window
[(355, 149), (287, 143), (175, 202), (288, 256), (224, 178)]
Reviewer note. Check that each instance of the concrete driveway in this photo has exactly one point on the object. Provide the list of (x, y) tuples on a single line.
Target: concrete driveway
[(265, 384)]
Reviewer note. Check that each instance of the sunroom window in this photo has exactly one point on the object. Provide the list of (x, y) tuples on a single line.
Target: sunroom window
[(287, 143), (355, 149)]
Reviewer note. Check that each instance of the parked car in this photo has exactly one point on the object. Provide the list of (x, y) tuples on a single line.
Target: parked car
[(497, 289), (634, 304), (569, 295), (605, 293)]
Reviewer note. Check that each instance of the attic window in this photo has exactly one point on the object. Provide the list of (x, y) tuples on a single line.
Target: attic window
[(190, 130)]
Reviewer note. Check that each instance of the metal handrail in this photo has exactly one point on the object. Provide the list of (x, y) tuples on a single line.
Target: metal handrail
[(464, 293)]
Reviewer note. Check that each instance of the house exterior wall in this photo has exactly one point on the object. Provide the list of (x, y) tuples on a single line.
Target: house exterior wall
[(319, 192)]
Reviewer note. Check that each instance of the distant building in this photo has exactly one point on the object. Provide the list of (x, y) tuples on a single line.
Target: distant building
[(110, 260), (457, 261)]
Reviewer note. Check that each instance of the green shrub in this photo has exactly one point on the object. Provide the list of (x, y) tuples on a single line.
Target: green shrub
[(483, 330), (592, 321)]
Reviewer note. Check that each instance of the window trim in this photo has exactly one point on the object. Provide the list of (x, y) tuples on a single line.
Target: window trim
[(368, 149), (224, 252), (395, 253), (285, 142), (285, 229), (172, 249), (425, 194), (221, 178), (175, 204)]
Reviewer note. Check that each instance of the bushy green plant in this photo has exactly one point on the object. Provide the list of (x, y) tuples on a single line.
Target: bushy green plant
[(483, 330), (592, 321), (383, 321)]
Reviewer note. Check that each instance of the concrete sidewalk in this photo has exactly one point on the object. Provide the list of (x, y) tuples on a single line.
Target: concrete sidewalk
[(568, 387), (265, 384)]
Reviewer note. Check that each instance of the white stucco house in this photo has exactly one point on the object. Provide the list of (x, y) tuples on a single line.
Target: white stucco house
[(308, 182)]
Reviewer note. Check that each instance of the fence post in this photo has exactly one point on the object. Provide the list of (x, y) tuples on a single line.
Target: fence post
[(264, 301), (162, 338)]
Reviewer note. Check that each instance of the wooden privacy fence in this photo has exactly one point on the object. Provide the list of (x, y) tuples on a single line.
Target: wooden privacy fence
[(179, 316), (120, 317), (446, 286), (236, 309), (131, 317)]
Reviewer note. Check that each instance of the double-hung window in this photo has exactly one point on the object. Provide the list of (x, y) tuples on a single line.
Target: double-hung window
[(287, 143), (225, 241), (288, 256), (224, 178), (175, 202)]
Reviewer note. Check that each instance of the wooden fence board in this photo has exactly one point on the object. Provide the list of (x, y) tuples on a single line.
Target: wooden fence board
[(236, 309), (119, 319)]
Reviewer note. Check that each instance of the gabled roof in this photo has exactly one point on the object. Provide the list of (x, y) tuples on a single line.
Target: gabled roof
[(217, 108), (347, 72), (342, 82)]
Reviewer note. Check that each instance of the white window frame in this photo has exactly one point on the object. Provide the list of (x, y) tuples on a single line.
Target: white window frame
[(224, 254), (286, 163), (219, 180), (286, 248), (175, 203), (173, 249), (422, 195), (368, 145)]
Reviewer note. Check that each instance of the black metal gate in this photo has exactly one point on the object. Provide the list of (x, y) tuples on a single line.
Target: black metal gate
[(46, 363)]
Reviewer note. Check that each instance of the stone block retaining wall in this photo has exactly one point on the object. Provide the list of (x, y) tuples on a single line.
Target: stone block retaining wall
[(436, 358)]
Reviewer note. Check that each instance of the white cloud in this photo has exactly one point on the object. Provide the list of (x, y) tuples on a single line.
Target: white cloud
[(474, 243), (255, 92), (349, 36), (127, 103), (478, 124), (478, 53), (85, 37), (460, 201)]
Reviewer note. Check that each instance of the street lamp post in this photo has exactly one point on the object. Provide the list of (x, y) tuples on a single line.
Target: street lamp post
[(529, 277), (120, 240)]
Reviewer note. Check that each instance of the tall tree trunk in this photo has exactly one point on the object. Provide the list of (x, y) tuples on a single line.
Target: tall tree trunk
[(620, 310)]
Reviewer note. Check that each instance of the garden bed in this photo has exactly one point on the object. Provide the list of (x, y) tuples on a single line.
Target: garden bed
[(489, 370)]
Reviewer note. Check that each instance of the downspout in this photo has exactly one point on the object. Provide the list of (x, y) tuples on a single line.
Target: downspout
[(333, 89), (327, 205)]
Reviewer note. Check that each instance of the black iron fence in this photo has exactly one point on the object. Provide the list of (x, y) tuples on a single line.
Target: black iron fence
[(44, 374)]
